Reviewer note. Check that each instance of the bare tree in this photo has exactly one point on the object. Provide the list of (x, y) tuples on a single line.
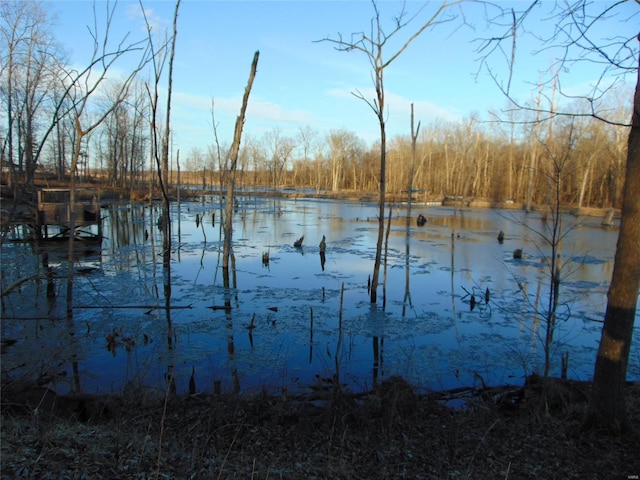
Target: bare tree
[(373, 46), (196, 162), (117, 127), (307, 139), (258, 158), (280, 150), (62, 143), (160, 143), (125, 135), (231, 173), (344, 148), (552, 233), (414, 138), (594, 134), (30, 64), (576, 34)]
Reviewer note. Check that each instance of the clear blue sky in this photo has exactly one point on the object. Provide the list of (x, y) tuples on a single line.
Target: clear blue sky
[(303, 83)]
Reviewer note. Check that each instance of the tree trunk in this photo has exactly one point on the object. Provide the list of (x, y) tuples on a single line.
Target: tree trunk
[(533, 159), (583, 183), (72, 217), (381, 204), (607, 409), (230, 177)]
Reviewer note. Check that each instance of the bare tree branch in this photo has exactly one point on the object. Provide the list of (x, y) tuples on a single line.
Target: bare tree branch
[(574, 35)]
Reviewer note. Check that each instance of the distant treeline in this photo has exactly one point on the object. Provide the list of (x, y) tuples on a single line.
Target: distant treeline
[(468, 160), (518, 158)]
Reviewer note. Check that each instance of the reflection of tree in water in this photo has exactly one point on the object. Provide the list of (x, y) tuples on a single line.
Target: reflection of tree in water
[(166, 281), (378, 348), (229, 280), (421, 219), (231, 352)]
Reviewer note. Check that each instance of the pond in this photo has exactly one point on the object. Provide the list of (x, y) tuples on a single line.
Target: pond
[(301, 320)]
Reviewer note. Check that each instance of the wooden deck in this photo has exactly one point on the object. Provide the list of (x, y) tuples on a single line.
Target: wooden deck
[(53, 217)]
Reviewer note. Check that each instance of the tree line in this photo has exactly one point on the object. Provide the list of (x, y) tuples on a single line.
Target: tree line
[(504, 157)]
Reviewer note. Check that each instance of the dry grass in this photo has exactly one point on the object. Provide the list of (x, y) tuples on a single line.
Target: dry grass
[(389, 433)]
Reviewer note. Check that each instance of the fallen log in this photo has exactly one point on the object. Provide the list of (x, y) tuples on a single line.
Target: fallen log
[(147, 307), (17, 284)]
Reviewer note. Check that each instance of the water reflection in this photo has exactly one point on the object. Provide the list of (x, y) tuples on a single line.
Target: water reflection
[(277, 324)]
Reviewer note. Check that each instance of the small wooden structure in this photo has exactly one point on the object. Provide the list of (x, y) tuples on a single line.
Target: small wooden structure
[(53, 218)]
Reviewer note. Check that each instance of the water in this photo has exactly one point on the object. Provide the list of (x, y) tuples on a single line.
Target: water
[(283, 328)]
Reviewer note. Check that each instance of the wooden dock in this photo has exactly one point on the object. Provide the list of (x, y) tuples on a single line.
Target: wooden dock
[(53, 217)]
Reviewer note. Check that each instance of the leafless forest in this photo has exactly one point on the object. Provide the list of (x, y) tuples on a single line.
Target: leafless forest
[(512, 154)]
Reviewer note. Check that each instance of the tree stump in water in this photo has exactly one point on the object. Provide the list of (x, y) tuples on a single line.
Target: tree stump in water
[(607, 221)]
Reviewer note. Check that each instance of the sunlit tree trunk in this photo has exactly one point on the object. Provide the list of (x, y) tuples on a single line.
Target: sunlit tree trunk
[(230, 175), (533, 155), (608, 408)]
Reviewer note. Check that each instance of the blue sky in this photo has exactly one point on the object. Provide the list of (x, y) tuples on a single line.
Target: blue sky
[(301, 82)]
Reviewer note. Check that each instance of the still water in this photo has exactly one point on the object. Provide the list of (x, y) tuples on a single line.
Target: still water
[(300, 319)]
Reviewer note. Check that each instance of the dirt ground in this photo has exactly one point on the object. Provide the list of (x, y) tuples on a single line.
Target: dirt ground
[(390, 432)]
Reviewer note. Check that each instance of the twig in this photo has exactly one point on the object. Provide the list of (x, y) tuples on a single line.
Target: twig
[(15, 285), (478, 446), (162, 422), (339, 346), (224, 461)]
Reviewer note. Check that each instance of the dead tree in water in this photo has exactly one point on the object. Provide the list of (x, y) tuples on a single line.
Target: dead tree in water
[(421, 218), (373, 47), (161, 156), (230, 177)]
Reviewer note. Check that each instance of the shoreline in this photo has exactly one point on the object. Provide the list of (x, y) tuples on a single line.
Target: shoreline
[(110, 195)]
